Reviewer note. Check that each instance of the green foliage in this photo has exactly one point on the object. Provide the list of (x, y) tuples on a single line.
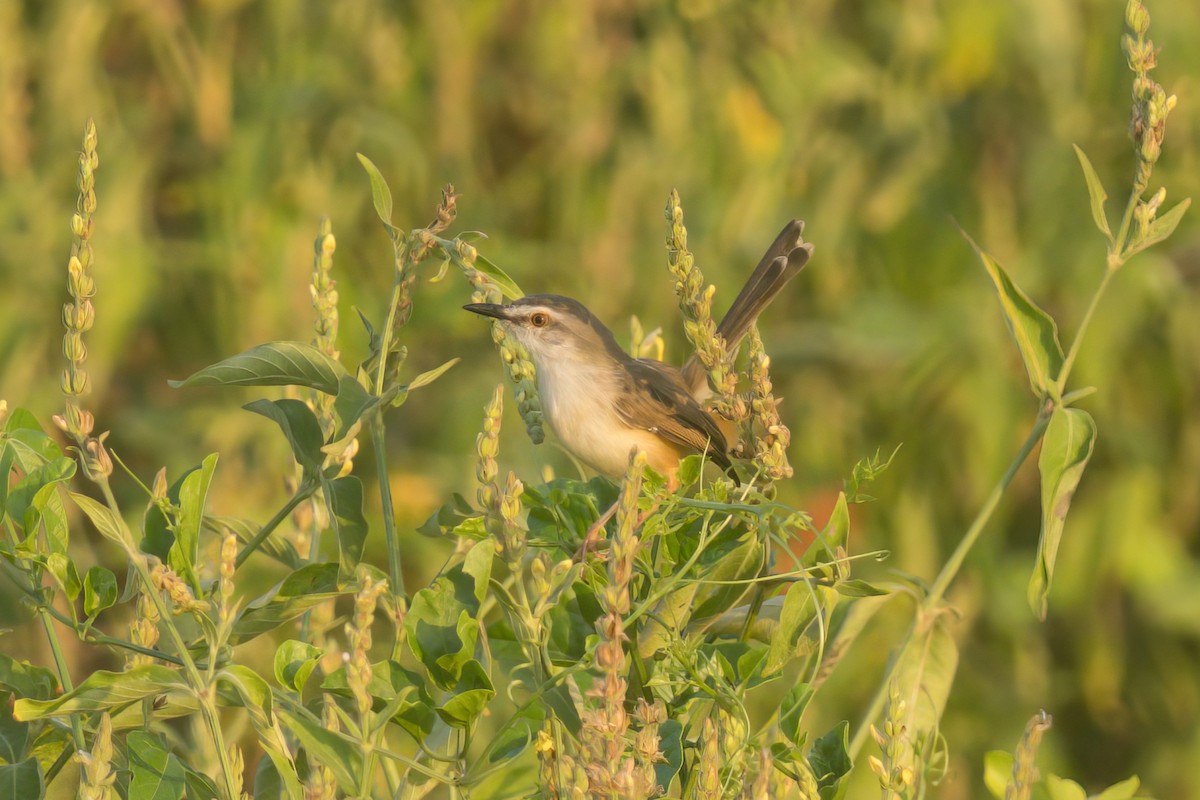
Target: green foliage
[(492, 674)]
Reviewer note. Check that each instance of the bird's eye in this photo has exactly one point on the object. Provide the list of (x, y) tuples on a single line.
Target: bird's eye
[(539, 319)]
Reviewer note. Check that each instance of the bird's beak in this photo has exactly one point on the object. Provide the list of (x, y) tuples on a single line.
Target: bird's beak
[(489, 310)]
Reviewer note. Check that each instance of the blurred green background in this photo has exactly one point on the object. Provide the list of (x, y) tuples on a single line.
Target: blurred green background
[(228, 128)]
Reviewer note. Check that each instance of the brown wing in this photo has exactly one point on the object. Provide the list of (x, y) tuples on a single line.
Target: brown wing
[(659, 402)]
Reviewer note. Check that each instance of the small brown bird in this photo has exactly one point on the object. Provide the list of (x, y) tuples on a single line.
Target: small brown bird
[(603, 403)]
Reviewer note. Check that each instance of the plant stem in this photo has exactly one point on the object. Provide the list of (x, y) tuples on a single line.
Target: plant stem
[(949, 571), (303, 493), (395, 567), (200, 687), (1069, 361)]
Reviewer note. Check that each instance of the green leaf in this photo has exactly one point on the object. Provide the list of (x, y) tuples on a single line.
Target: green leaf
[(23, 779), (253, 693), (65, 573), (299, 425), (344, 497), (351, 403), (1095, 192), (429, 376), (271, 364), (733, 571), (1033, 329), (1063, 789), (478, 566), (329, 748), (1161, 228), (791, 712), (835, 534), (508, 287), (99, 590), (193, 492), (294, 663), (924, 674), (856, 587), (997, 770), (26, 680), (470, 696), (305, 588), (21, 497), (399, 692), (103, 690), (381, 195), (670, 742), (830, 760), (1066, 449), (14, 735), (156, 772), (792, 637), (441, 631), (450, 516), (109, 524), (1123, 790)]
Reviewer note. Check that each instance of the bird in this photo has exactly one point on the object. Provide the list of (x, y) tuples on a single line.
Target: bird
[(603, 403)]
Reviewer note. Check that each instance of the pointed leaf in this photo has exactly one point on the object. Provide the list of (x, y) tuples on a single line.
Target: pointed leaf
[(381, 195), (426, 378), (1162, 227), (26, 680), (799, 611), (344, 497), (1032, 328), (1066, 448), (271, 364), (103, 690), (1096, 192), (186, 548), (326, 747), (109, 524), (299, 425), (924, 674), (305, 588), (508, 287), (157, 773)]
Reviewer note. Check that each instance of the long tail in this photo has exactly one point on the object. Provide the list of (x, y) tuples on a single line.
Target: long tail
[(786, 256)]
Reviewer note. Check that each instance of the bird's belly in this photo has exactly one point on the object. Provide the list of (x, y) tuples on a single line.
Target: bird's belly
[(579, 409)]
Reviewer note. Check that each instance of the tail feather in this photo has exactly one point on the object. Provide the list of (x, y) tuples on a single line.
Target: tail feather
[(786, 256)]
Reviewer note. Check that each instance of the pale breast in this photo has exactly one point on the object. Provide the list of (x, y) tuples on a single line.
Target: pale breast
[(577, 400)]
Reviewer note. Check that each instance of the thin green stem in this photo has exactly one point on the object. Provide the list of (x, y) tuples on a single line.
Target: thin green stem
[(303, 493), (395, 567), (948, 572), (199, 686), (1069, 361), (64, 675)]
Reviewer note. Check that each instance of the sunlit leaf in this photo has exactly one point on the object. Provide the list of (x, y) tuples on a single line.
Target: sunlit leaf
[(1035, 332), (428, 377), (997, 770), (156, 772), (924, 674), (381, 195), (1066, 448), (326, 747), (99, 590), (294, 663), (508, 287), (103, 690), (1162, 227), (109, 524), (271, 364), (470, 696), (193, 492), (1096, 192), (26, 680)]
